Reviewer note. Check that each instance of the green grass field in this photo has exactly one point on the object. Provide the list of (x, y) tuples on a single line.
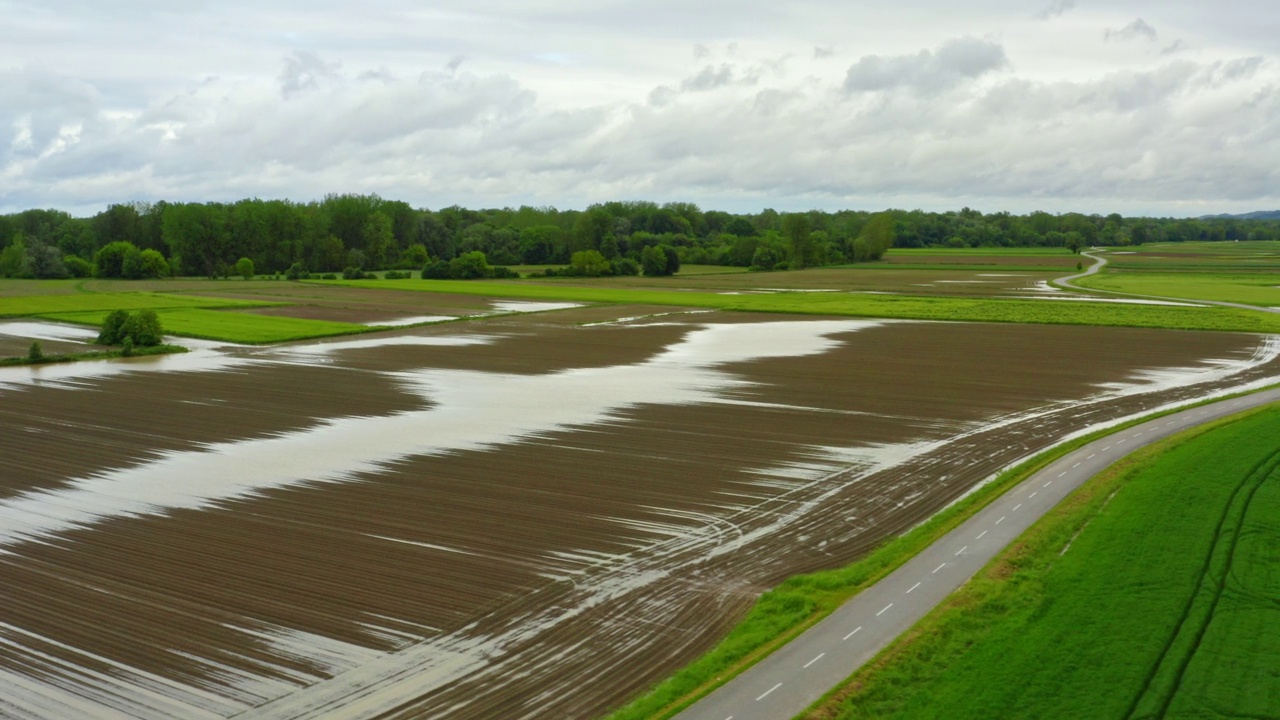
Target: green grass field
[(1255, 289), (86, 302), (229, 326), (1151, 592), (865, 305)]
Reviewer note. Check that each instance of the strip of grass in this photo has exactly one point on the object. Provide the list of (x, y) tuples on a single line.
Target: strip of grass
[(801, 601), (92, 355), (984, 251), (231, 326), (1261, 289), (866, 305), (86, 302), (1147, 593)]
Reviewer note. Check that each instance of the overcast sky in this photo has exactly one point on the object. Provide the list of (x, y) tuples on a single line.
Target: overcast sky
[(1167, 107)]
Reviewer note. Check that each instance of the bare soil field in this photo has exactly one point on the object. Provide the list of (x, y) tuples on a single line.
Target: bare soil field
[(997, 282), (520, 517)]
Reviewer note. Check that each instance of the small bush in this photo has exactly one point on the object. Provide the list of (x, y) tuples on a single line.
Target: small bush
[(502, 272), (297, 271), (438, 270), (127, 349), (328, 276), (35, 354), (78, 266), (351, 272), (397, 275)]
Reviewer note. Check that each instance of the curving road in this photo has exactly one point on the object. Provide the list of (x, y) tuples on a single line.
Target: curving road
[(1100, 262), (796, 675)]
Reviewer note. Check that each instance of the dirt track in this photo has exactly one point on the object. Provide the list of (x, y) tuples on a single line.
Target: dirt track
[(552, 573)]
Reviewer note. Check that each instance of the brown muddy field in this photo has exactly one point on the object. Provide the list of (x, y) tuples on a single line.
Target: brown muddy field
[(996, 282), (511, 518)]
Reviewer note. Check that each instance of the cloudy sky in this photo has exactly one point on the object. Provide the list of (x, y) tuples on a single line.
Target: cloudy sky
[(1165, 107)]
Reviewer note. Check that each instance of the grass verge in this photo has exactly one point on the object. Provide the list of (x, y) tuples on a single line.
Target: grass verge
[(801, 601), (1152, 586), (230, 326), (867, 305), (91, 355)]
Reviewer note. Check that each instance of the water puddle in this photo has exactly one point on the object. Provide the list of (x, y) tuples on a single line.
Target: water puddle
[(525, 306), (471, 411), (405, 321)]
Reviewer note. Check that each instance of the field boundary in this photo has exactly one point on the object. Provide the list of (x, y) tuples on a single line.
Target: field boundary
[(681, 690)]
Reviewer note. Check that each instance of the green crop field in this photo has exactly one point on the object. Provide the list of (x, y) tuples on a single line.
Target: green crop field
[(866, 305), (87, 302), (1151, 592), (230, 326), (1252, 289)]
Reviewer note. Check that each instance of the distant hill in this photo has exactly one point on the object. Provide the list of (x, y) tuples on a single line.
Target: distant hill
[(1260, 215)]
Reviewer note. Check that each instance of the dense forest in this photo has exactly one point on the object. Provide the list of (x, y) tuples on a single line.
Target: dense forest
[(366, 232)]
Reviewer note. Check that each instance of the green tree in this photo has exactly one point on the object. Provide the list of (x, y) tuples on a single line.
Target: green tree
[(795, 226), (112, 332), (378, 240), (78, 266), (414, 256), (144, 265), (877, 235), (143, 328), (35, 353), (469, 266), (659, 260), (590, 263), (13, 259), (244, 268), (108, 262)]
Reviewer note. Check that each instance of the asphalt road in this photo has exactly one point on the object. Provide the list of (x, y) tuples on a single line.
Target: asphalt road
[(796, 675)]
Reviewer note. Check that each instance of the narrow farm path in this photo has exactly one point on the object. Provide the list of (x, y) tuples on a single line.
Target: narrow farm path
[(799, 673), (1100, 262)]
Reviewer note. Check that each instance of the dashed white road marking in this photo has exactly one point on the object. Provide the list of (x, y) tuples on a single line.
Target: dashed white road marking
[(1000, 520), (913, 587), (1048, 483), (1015, 507), (1033, 494), (935, 570), (966, 547), (806, 665), (1120, 442), (854, 632), (1092, 456), (766, 692), (883, 609), (1062, 474), (1106, 448), (984, 532), (1073, 467)]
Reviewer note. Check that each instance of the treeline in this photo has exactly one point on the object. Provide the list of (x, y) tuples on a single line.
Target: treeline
[(366, 232)]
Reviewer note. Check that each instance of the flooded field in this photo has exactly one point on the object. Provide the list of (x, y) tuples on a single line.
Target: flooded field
[(527, 516)]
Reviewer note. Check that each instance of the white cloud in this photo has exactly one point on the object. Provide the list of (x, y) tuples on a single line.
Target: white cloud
[(1138, 29), (955, 62), (1056, 8), (573, 101)]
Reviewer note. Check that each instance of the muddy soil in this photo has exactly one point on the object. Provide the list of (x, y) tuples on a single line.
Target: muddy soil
[(489, 565)]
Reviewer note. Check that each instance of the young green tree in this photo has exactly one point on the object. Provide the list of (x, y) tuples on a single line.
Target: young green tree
[(795, 226), (589, 263), (109, 261), (143, 328), (244, 268)]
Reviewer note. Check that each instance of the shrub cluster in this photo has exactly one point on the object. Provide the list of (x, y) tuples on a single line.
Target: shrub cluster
[(141, 329)]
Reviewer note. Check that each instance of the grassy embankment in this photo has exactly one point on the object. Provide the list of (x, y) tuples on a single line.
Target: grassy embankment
[(189, 316), (229, 326), (801, 601), (1150, 592), (865, 305), (91, 355)]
